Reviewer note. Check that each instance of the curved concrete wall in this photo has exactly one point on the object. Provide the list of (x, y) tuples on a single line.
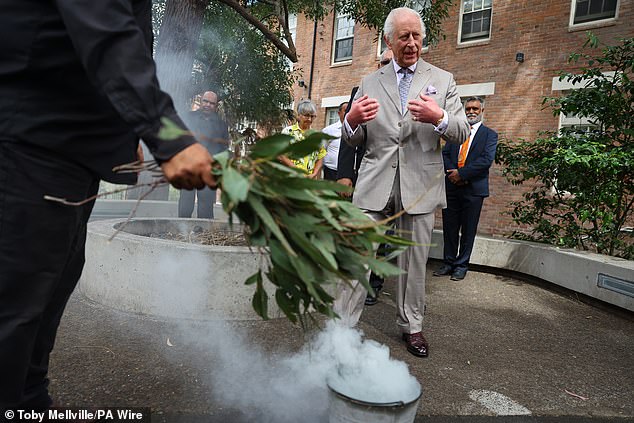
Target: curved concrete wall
[(605, 278), (170, 279)]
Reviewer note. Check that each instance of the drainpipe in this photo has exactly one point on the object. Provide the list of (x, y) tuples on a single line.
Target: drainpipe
[(312, 61)]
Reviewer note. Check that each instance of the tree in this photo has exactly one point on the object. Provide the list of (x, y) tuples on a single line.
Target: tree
[(583, 180), (181, 22), (240, 65)]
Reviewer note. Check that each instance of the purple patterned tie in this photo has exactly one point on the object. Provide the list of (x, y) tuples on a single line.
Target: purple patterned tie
[(403, 87)]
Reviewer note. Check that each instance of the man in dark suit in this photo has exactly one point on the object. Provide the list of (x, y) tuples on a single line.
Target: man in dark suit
[(467, 184)]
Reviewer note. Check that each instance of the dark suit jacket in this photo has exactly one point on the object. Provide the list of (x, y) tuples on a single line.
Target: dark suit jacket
[(77, 79), (480, 158), (349, 158)]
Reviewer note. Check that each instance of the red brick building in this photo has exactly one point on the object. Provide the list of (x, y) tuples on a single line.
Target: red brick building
[(509, 52)]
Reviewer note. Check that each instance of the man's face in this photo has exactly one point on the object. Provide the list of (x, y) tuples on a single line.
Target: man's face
[(209, 103), (407, 40), (342, 111), (473, 110)]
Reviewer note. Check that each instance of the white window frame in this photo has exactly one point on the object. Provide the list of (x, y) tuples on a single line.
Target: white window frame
[(335, 38), (331, 115), (565, 85), (292, 28), (462, 13), (483, 90), (594, 22)]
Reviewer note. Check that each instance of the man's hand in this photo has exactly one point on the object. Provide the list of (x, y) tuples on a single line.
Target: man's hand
[(346, 182), (454, 177), (139, 153), (190, 168), (425, 110), (363, 110)]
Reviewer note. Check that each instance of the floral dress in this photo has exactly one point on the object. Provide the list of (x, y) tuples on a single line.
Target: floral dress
[(307, 164)]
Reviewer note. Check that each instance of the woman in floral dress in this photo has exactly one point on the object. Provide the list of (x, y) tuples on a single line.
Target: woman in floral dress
[(311, 164)]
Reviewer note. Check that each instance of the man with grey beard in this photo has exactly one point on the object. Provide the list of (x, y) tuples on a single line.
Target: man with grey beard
[(467, 184), (404, 108)]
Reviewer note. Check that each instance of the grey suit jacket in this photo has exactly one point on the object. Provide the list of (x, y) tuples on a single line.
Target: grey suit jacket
[(395, 141)]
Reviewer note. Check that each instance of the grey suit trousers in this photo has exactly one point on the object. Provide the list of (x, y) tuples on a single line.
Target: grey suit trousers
[(410, 291)]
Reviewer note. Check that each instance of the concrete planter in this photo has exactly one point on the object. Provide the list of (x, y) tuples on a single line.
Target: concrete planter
[(171, 279), (609, 279)]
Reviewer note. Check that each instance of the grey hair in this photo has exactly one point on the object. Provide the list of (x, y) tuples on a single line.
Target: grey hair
[(475, 98), (388, 26), (384, 54), (306, 107)]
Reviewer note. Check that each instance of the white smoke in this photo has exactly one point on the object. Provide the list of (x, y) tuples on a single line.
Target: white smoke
[(269, 388), (275, 387)]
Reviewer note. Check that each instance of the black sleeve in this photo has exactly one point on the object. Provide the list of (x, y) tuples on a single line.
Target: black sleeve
[(345, 160), (112, 39)]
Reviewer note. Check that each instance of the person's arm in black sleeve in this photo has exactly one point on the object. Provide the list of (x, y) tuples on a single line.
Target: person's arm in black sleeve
[(113, 48), (345, 161)]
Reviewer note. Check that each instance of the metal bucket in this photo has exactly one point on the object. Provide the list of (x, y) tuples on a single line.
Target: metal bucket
[(344, 409)]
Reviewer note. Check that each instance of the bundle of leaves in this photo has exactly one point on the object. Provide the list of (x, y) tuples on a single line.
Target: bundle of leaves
[(312, 237)]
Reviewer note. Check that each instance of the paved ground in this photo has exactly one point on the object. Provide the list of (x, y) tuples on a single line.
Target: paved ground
[(499, 346)]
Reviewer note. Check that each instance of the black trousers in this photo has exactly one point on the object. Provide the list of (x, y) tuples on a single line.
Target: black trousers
[(459, 226), (330, 174), (41, 260)]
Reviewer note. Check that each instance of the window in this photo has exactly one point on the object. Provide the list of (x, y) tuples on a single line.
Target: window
[(475, 20), (292, 27), (344, 37), (331, 115), (593, 10)]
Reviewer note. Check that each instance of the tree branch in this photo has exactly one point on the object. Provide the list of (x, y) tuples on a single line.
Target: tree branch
[(288, 51)]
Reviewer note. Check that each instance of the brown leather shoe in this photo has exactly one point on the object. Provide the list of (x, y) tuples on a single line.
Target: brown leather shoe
[(416, 344)]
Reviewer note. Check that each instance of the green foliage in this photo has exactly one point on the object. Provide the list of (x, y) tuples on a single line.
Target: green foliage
[(237, 62), (582, 181), (311, 237)]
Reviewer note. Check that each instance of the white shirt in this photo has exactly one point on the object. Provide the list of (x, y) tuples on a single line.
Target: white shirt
[(332, 146), (474, 129)]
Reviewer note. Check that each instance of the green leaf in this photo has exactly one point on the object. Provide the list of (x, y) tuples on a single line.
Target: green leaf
[(271, 147), (289, 307), (260, 299), (254, 278), (383, 268), (235, 185), (170, 131), (268, 220), (306, 146), (223, 158)]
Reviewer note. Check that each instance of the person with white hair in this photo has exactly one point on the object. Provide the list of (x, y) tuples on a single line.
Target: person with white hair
[(313, 163)]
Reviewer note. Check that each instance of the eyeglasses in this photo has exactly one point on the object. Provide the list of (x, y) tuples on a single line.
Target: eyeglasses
[(385, 62), (310, 116), (213, 103)]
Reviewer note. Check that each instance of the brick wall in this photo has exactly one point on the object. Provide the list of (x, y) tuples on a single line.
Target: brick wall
[(539, 29)]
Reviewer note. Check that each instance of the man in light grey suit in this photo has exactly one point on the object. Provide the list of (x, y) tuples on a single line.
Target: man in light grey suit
[(406, 107)]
